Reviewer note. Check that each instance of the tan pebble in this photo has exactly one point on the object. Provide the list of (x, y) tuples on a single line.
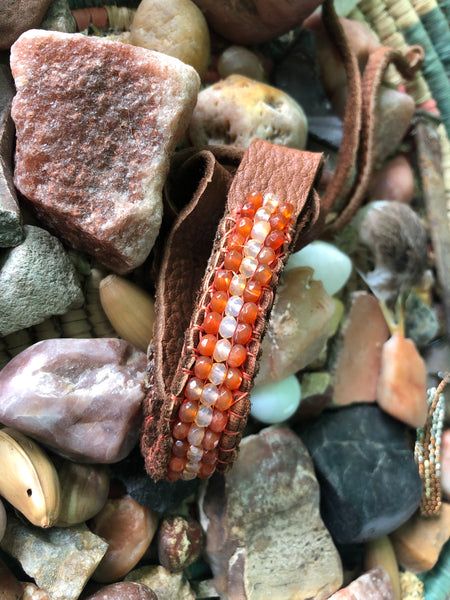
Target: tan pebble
[(380, 552), (164, 583), (393, 181), (174, 27), (238, 109), (411, 586), (128, 528), (419, 541), (242, 61), (32, 592)]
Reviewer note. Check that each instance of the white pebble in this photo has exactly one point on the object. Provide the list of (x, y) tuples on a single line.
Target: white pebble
[(331, 266), (275, 402)]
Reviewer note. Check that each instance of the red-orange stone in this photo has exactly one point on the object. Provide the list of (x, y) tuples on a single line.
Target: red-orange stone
[(278, 221), (210, 457), (237, 355), (177, 463), (207, 344), (224, 399), (232, 260), (180, 448), (180, 430), (286, 209), (263, 274), (243, 333), (219, 421), (266, 256), (235, 241), (210, 439), (218, 302), (222, 280), (173, 476), (248, 210), (206, 471), (252, 292), (248, 313), (188, 411), (233, 379), (275, 239), (202, 367), (211, 322), (256, 198), (244, 226)]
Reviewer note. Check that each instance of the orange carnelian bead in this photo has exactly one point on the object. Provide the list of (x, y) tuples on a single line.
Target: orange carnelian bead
[(173, 476), (210, 457), (255, 197), (219, 421), (188, 411), (177, 463), (210, 439), (218, 301), (275, 239), (233, 379), (232, 260), (180, 448), (202, 367), (224, 399), (286, 209), (235, 241), (243, 333), (266, 256), (248, 313), (237, 355), (206, 471), (180, 430), (211, 322), (207, 344), (244, 226), (252, 292), (222, 280), (263, 274), (248, 210), (278, 221)]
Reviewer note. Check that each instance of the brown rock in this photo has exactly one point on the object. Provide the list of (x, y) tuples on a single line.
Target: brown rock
[(419, 541), (264, 534), (394, 112), (16, 16), (97, 121), (180, 542), (124, 591), (393, 181), (252, 22), (128, 528), (81, 397), (359, 360), (373, 585)]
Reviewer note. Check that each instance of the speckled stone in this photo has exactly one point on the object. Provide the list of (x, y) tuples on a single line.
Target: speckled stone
[(370, 484), (124, 591), (373, 585), (49, 556), (37, 280), (96, 122), (264, 534), (164, 583), (180, 542), (59, 18), (16, 16)]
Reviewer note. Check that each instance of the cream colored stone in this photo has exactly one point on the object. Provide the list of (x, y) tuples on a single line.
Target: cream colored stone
[(237, 109), (166, 585), (174, 27)]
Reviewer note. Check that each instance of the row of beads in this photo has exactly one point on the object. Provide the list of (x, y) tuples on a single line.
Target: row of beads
[(251, 249)]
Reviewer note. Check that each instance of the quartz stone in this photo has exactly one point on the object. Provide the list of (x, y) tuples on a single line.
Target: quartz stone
[(81, 397), (37, 280), (370, 483), (97, 121)]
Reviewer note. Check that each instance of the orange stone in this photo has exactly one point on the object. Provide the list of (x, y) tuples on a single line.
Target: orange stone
[(256, 198), (219, 421), (224, 399), (207, 344), (248, 210), (211, 322), (222, 280), (237, 355), (286, 209), (211, 439), (278, 221), (177, 463), (173, 476), (232, 260), (252, 292), (243, 333), (248, 313), (266, 256), (206, 471), (218, 301), (275, 239), (263, 274), (244, 226), (236, 241), (188, 411), (202, 367), (210, 457), (233, 379), (180, 430), (180, 448)]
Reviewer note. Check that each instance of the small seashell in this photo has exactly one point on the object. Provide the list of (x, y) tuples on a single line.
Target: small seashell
[(84, 491), (275, 402), (129, 308)]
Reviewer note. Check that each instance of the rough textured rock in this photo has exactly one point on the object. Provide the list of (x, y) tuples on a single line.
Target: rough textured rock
[(124, 591), (37, 280), (373, 585), (59, 18), (97, 121), (262, 518), (164, 583), (16, 16), (128, 528), (298, 328), (81, 397), (370, 484), (237, 109), (59, 560), (180, 542), (252, 22), (11, 232), (420, 540), (32, 592)]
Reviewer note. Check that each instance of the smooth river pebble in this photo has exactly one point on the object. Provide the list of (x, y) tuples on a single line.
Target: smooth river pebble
[(275, 402)]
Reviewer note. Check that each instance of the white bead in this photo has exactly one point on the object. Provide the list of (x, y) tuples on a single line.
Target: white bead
[(194, 453), (222, 350), (194, 387), (192, 467), (195, 435), (237, 285), (204, 416), (233, 306), (270, 201), (227, 327), (252, 248), (188, 475), (275, 402), (248, 266), (260, 231), (209, 394), (218, 373), (263, 214)]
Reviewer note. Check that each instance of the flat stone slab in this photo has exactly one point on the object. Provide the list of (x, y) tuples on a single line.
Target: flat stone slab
[(96, 123)]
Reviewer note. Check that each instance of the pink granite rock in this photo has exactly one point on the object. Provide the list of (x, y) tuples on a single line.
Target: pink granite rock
[(373, 585), (97, 121), (80, 397)]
